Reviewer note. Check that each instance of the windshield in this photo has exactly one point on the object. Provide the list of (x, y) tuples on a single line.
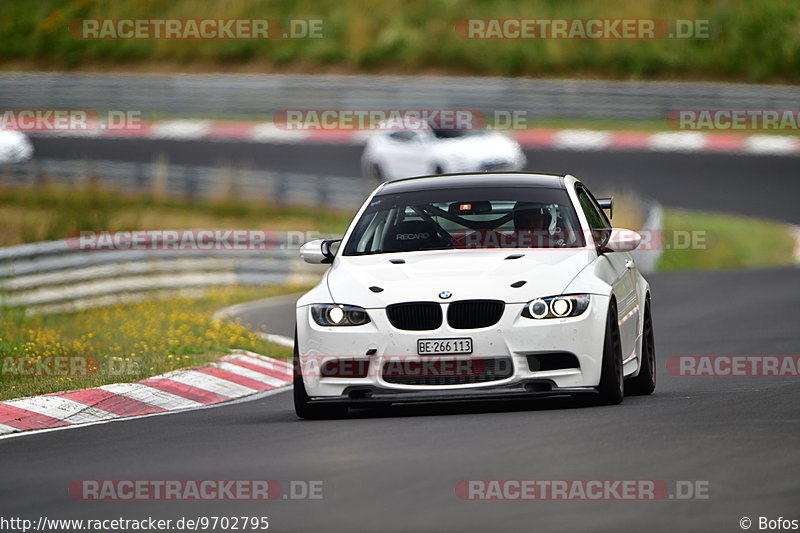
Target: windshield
[(475, 217), (455, 134)]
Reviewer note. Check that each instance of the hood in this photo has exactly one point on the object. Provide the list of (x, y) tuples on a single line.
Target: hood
[(466, 274)]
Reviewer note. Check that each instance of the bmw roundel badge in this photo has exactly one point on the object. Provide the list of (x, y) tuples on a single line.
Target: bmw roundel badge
[(444, 295)]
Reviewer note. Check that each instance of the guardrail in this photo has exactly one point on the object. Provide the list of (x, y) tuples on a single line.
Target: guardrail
[(246, 94), (192, 181), (57, 276)]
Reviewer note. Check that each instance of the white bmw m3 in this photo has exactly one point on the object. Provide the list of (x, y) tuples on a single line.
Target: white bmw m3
[(474, 286)]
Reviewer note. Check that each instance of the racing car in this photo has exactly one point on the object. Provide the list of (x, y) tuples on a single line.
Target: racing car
[(15, 147), (474, 286), (398, 153)]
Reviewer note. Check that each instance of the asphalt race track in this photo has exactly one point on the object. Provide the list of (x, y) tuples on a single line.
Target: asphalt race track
[(754, 185), (396, 470)]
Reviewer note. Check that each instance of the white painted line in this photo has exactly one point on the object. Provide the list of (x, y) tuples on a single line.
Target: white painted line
[(208, 383), (277, 339), (684, 141), (61, 408), (180, 129), (250, 374), (232, 310), (268, 132), (277, 362), (150, 396), (583, 139), (771, 144), (7, 429), (257, 361), (796, 244)]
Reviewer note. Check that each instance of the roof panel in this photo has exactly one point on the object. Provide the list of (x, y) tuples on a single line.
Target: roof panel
[(477, 179)]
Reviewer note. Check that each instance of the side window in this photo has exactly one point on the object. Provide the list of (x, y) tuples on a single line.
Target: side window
[(595, 215), (598, 223), (403, 136)]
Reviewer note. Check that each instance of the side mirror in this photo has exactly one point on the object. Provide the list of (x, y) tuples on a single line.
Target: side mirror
[(607, 204), (623, 240), (319, 252)]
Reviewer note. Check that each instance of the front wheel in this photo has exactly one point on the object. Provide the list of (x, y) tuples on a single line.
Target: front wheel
[(612, 386), (302, 406), (645, 382)]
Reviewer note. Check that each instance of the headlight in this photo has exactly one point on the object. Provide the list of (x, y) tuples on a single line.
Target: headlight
[(339, 315), (556, 306)]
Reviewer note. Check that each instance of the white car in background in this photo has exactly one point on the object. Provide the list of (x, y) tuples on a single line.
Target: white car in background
[(474, 286), (402, 153), (15, 147)]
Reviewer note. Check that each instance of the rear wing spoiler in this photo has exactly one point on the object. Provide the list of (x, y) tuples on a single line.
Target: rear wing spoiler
[(607, 204)]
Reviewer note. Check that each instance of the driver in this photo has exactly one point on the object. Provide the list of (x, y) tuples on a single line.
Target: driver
[(532, 225)]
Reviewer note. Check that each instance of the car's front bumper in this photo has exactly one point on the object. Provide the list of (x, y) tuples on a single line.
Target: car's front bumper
[(359, 396), (513, 338)]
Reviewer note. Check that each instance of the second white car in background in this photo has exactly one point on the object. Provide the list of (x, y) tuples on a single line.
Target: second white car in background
[(400, 153), (15, 147)]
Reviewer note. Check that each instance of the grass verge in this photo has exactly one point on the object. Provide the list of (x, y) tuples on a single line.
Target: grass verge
[(55, 212), (123, 343), (712, 241)]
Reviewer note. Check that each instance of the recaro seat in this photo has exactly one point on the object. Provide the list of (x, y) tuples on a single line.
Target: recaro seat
[(411, 235)]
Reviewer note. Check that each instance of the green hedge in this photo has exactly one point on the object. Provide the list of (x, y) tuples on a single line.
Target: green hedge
[(751, 41)]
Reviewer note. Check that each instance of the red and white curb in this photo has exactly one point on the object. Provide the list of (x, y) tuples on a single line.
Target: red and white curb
[(238, 375), (566, 139)]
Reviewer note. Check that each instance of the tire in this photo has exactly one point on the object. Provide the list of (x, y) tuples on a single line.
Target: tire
[(611, 389), (645, 382), (302, 407)]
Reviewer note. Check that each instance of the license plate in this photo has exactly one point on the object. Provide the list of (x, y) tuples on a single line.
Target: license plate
[(444, 346)]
